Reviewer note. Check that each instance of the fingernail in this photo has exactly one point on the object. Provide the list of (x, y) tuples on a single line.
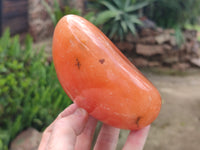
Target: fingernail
[(80, 111)]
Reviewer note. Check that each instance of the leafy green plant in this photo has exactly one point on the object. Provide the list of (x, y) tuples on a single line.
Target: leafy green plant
[(117, 17), (173, 13), (30, 94), (179, 36), (57, 13)]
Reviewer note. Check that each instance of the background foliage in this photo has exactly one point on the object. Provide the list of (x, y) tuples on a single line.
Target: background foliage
[(116, 17), (30, 94), (57, 13), (173, 13)]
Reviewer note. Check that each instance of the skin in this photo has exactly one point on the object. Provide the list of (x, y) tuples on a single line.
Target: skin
[(73, 129)]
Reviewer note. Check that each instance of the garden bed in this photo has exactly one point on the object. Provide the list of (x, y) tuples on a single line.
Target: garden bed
[(161, 48)]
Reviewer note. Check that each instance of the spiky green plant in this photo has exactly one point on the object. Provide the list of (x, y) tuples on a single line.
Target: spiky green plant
[(118, 17)]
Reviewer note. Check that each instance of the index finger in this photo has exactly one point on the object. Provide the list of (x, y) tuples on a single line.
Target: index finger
[(46, 134)]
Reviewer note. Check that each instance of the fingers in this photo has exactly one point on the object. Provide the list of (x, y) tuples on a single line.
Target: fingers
[(46, 134), (62, 133), (107, 139), (69, 110), (66, 130), (136, 139), (84, 140), (72, 129)]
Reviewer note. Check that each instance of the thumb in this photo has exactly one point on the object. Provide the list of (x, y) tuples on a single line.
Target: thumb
[(66, 130)]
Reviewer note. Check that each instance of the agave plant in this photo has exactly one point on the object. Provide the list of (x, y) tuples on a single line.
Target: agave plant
[(119, 17)]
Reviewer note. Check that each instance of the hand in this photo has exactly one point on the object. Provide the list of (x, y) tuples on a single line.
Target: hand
[(73, 129)]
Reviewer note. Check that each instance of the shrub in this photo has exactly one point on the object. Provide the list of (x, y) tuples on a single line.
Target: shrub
[(173, 13), (57, 13), (30, 94), (117, 17)]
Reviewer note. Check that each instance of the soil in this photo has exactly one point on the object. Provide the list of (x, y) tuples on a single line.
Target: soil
[(177, 126)]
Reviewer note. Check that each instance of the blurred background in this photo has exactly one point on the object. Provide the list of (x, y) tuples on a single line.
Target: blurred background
[(160, 37)]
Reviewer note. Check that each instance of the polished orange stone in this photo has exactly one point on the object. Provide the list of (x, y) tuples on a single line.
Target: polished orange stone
[(99, 78)]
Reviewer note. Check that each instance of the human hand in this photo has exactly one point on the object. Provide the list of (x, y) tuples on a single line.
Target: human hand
[(73, 129)]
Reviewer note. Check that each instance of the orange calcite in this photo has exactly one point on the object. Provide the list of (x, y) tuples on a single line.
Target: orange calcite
[(99, 78)]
